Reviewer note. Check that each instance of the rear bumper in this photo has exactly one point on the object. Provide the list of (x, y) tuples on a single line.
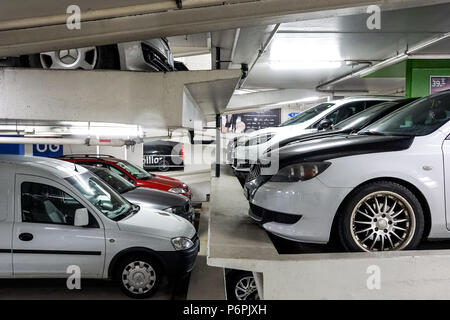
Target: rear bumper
[(178, 263)]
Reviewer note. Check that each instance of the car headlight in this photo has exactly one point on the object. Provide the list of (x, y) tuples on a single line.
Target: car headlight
[(182, 243), (176, 190), (170, 210), (300, 171), (260, 139)]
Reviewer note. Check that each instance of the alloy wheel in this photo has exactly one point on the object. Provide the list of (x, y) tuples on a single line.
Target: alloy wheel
[(246, 289), (80, 58), (383, 221)]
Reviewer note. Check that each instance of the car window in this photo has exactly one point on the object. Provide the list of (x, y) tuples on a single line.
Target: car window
[(418, 118), (90, 163), (135, 171), (114, 180), (42, 203), (342, 113), (102, 196), (308, 114)]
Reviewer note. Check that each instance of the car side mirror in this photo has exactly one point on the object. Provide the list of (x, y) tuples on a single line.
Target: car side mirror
[(81, 217), (325, 124)]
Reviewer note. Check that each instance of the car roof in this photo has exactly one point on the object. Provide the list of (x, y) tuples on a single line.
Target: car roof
[(364, 98), (50, 166), (90, 157)]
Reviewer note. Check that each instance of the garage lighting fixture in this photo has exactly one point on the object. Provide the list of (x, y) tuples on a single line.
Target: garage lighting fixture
[(305, 65)]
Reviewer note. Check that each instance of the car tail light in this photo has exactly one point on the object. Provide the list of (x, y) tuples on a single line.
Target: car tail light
[(182, 152)]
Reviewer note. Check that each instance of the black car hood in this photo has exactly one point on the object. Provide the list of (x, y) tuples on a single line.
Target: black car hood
[(313, 136), (155, 199), (337, 146)]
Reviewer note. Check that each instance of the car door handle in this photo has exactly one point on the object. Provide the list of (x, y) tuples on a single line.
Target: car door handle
[(26, 236)]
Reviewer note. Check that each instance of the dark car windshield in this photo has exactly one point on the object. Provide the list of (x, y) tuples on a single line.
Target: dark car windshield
[(115, 181), (363, 118), (105, 199), (135, 171), (307, 115), (419, 118)]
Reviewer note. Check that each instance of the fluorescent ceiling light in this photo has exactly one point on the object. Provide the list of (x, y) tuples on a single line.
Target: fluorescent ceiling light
[(304, 65), (308, 99), (305, 53)]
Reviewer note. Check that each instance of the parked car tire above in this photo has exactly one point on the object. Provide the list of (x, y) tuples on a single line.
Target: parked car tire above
[(139, 276), (241, 286), (89, 58), (380, 216), (147, 55)]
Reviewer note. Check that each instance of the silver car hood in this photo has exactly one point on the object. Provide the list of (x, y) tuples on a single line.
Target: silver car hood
[(156, 199), (157, 223)]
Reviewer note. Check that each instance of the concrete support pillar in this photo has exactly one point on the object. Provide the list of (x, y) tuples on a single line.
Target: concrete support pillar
[(218, 145)]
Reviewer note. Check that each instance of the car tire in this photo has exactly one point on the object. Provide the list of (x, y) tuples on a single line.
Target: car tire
[(139, 276), (241, 286), (381, 216), (106, 57)]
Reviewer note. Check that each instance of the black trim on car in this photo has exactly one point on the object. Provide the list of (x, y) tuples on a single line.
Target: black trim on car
[(340, 146), (68, 252), (262, 216), (5, 251)]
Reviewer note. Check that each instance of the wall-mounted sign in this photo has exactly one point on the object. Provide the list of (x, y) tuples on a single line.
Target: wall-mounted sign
[(439, 83), (47, 150), (243, 122)]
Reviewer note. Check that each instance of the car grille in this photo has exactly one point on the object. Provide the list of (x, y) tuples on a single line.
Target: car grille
[(255, 172)]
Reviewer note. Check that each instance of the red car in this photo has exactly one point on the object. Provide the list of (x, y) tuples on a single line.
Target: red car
[(132, 173)]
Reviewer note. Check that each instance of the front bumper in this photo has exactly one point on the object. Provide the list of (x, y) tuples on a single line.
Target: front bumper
[(302, 211), (178, 263)]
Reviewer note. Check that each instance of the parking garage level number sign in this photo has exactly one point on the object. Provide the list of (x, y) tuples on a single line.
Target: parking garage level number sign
[(439, 83)]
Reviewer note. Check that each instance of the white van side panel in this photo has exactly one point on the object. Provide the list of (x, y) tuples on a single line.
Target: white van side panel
[(6, 218)]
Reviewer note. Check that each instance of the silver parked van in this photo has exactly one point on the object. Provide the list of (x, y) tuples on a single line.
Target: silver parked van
[(55, 214)]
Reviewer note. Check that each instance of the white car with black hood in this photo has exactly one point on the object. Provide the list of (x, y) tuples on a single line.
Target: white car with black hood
[(384, 188)]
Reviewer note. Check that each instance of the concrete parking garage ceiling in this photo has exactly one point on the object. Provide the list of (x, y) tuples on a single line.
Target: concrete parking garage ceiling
[(306, 54), (41, 26)]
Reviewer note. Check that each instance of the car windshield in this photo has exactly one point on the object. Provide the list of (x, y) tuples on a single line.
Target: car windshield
[(307, 115), (105, 199), (135, 171), (115, 181), (363, 118), (419, 118)]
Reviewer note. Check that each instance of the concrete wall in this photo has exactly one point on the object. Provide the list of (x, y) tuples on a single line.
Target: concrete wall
[(152, 100)]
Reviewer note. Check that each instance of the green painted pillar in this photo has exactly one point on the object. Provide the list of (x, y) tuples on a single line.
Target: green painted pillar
[(419, 72)]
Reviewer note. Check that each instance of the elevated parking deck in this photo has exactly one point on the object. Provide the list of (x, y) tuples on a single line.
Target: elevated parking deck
[(236, 242)]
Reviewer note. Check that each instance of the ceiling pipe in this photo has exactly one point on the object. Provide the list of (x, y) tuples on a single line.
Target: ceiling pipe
[(233, 49), (383, 64), (260, 53), (67, 141)]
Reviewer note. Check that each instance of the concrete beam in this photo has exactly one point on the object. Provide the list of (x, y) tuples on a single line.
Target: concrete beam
[(152, 100), (26, 35), (270, 98)]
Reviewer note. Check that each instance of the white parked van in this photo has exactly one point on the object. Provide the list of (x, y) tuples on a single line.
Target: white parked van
[(55, 214)]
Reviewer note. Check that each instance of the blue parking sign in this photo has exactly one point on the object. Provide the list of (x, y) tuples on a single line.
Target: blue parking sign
[(47, 150)]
